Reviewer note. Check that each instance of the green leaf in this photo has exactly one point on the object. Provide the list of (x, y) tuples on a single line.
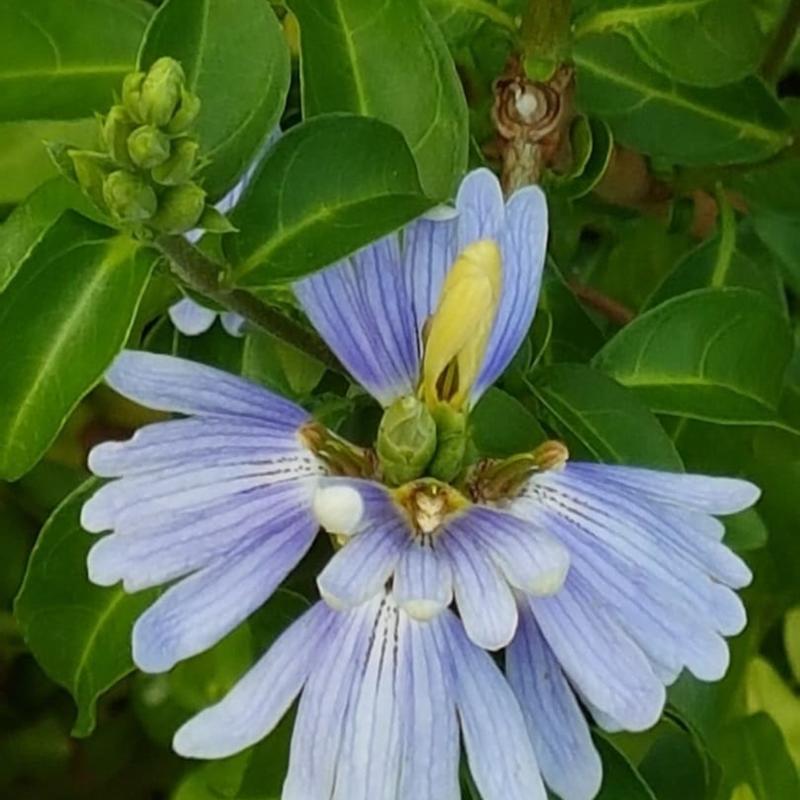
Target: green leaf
[(61, 62), (745, 531), (712, 354), (216, 347), (63, 318), (704, 42), (236, 60), (78, 632), (328, 187), (773, 187), (279, 366), (501, 425), (388, 61), (654, 114), (621, 781), (600, 419), (29, 222), (791, 641)]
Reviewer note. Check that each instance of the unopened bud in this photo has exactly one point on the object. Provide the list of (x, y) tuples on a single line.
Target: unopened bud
[(90, 171), (129, 196), (117, 127), (406, 440), (161, 91), (214, 221), (148, 147), (132, 95), (179, 167), (186, 113), (180, 208), (451, 448)]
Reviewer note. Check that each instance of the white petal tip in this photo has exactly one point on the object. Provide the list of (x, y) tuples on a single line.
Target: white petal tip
[(422, 610), (338, 509), (549, 582), (331, 598)]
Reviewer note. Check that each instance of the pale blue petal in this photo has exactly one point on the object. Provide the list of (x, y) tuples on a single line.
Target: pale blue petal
[(599, 658), (429, 724), (233, 323), (170, 548), (369, 761), (361, 309), (567, 757), (699, 492), (481, 208), (190, 318), (423, 581), (484, 599), (258, 701), (523, 242), (531, 559), (319, 727), (200, 610), (166, 383), (500, 753)]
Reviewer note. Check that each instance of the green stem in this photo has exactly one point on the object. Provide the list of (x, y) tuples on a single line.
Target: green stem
[(492, 12), (782, 42), (203, 276), (545, 29)]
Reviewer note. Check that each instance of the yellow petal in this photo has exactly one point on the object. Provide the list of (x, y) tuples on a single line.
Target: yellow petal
[(459, 330)]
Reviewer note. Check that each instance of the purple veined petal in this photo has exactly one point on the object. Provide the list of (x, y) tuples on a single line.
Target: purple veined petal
[(423, 581), (369, 761), (531, 559), (613, 531), (523, 242), (257, 702), (177, 545), (361, 309), (166, 383), (200, 610), (190, 318), (429, 725), (481, 208), (500, 753), (483, 597), (362, 567), (127, 501), (319, 727), (196, 442), (599, 658), (567, 757), (660, 525), (711, 495)]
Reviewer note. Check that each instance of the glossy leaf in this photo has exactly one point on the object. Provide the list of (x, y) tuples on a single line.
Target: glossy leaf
[(79, 633), (236, 60), (654, 114), (601, 420), (53, 68), (328, 187), (63, 318), (279, 366), (713, 354), (502, 426), (621, 780), (387, 60)]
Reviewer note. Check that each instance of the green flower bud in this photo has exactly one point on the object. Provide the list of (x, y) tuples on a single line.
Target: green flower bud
[(129, 196), (186, 113), (214, 221), (132, 95), (90, 172), (451, 434), (406, 440), (161, 91), (180, 208), (179, 167), (117, 127), (148, 147)]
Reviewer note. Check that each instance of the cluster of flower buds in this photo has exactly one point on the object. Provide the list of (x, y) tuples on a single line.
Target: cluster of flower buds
[(144, 178)]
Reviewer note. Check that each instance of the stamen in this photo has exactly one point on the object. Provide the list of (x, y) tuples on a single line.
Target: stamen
[(428, 503)]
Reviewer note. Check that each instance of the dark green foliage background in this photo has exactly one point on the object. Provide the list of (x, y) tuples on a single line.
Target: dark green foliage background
[(666, 334)]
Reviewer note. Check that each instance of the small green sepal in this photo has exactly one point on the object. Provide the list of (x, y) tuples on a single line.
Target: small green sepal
[(180, 166)]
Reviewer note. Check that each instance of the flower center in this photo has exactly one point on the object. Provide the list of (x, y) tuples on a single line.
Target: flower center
[(428, 503)]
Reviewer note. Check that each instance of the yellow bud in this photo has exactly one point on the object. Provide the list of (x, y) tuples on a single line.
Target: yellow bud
[(458, 332)]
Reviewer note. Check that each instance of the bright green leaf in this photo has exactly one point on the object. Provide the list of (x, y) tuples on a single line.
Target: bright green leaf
[(502, 426), (387, 60), (600, 419), (78, 632), (236, 60), (652, 113), (621, 780), (279, 366), (713, 354), (63, 61), (329, 186), (63, 318)]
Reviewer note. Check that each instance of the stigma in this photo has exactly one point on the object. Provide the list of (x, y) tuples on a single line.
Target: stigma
[(428, 503)]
